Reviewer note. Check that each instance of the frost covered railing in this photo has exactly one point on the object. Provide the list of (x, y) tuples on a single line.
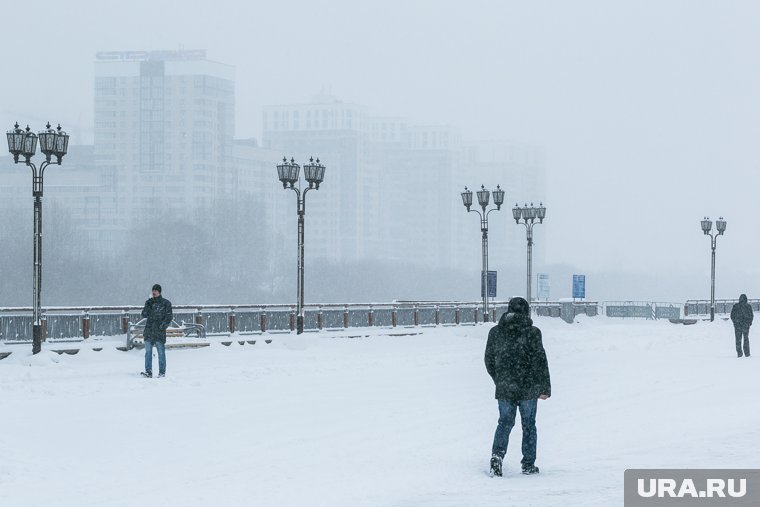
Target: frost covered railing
[(642, 310), (78, 323), (702, 306)]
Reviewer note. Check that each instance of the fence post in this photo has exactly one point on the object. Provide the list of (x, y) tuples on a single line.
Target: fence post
[(231, 321), (370, 317), (44, 328), (263, 320), (394, 317), (437, 315), (416, 316), (85, 325), (456, 315), (124, 321), (345, 317), (292, 320), (319, 319), (199, 317)]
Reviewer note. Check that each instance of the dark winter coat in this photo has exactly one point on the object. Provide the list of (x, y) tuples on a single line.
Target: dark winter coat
[(516, 360), (741, 313), (158, 311)]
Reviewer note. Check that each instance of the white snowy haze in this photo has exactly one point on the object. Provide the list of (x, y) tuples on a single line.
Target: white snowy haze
[(639, 119)]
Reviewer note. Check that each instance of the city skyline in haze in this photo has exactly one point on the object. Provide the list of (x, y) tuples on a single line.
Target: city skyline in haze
[(647, 112)]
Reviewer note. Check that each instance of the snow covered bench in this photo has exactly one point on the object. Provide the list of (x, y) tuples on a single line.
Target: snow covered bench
[(175, 335)]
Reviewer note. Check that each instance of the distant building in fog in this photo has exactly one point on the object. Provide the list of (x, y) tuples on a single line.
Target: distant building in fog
[(164, 128), (392, 188), (337, 133)]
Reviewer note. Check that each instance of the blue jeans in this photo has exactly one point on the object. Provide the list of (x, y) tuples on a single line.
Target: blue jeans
[(507, 412), (160, 347), (742, 332)]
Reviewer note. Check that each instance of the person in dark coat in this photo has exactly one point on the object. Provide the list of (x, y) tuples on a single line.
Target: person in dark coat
[(158, 312), (516, 361), (741, 316)]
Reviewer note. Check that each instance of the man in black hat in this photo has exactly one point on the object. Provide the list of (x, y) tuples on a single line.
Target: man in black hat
[(741, 316), (516, 361), (158, 312)]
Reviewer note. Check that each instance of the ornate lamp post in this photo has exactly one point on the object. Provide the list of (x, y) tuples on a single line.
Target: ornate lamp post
[(720, 225), (528, 216), (288, 172), (483, 199), (23, 143)]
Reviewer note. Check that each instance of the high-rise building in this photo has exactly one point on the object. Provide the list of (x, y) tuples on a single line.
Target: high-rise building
[(392, 189), (337, 133), (164, 128)]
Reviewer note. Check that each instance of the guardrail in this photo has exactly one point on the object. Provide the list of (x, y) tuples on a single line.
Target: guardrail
[(642, 310), (61, 324), (65, 324), (722, 306)]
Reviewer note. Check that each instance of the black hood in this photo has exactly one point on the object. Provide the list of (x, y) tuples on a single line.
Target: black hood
[(519, 305), (514, 322), (743, 298)]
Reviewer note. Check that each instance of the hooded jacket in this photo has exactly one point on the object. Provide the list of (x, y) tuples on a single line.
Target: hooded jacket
[(515, 357), (741, 313)]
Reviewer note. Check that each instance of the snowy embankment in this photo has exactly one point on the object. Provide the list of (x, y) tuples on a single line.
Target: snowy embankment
[(320, 420)]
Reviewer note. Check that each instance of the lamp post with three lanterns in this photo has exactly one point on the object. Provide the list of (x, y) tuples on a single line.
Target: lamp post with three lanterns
[(288, 172), (528, 216), (483, 200), (720, 225), (54, 143)]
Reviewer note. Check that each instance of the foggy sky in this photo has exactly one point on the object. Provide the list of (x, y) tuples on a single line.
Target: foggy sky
[(647, 111)]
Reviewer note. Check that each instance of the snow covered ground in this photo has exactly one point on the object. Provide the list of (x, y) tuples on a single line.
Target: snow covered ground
[(324, 420)]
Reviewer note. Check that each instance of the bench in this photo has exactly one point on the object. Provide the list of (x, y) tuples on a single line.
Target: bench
[(135, 336)]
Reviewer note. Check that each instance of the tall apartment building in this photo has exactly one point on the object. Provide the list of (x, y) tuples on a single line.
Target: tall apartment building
[(520, 171), (337, 133), (392, 189), (164, 128)]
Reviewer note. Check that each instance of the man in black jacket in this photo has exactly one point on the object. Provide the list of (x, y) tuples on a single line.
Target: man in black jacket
[(158, 312), (741, 316), (516, 361)]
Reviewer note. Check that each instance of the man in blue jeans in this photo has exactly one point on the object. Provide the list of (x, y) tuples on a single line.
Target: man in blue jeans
[(158, 312), (516, 361)]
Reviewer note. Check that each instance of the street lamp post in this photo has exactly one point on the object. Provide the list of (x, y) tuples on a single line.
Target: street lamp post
[(23, 143), (483, 199), (528, 216), (288, 173), (720, 225)]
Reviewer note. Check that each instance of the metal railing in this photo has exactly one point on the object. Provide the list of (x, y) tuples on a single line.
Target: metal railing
[(79, 323), (722, 306), (642, 310)]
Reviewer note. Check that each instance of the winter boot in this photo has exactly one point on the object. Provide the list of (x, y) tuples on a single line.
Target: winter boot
[(147, 374), (495, 466), (161, 375), (529, 469)]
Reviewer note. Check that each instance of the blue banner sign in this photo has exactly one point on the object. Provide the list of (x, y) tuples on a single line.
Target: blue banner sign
[(579, 286), (543, 286), (491, 284)]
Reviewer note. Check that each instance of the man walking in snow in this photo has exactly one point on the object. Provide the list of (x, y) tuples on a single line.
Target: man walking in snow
[(516, 361), (741, 316), (158, 312)]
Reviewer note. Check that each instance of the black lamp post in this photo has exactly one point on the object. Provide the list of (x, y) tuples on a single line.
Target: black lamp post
[(720, 225), (528, 216), (483, 198), (23, 143), (288, 172)]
